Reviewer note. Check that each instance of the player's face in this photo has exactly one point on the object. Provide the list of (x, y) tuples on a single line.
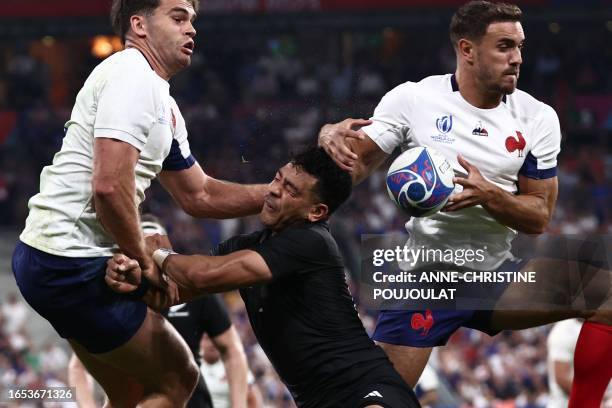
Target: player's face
[(498, 57), (170, 33), (289, 198)]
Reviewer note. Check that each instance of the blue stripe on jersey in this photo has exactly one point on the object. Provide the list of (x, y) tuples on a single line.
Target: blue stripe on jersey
[(175, 160), (530, 169)]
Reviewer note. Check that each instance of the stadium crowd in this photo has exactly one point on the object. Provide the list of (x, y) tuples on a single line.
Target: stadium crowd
[(250, 102)]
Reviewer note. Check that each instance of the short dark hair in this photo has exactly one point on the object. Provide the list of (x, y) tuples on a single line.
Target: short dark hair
[(123, 10), (333, 184), (472, 19)]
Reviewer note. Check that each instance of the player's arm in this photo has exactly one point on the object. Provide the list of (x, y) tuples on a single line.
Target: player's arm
[(114, 195), (563, 375), (203, 196), (199, 274), (232, 354), (125, 113), (333, 138), (191, 276), (352, 150), (529, 211)]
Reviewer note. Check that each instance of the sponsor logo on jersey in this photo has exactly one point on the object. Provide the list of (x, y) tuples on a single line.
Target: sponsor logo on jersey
[(420, 322), (479, 130), (513, 144)]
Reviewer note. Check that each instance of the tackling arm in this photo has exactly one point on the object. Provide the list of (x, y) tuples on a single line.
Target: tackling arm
[(190, 276), (206, 197), (199, 274)]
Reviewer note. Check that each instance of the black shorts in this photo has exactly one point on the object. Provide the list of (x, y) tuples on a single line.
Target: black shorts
[(386, 389), (388, 395)]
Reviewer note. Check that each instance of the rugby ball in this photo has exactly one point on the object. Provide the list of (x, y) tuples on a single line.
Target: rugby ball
[(420, 181)]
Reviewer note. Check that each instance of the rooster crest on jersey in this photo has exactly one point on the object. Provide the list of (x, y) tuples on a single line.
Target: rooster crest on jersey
[(420, 322), (420, 181)]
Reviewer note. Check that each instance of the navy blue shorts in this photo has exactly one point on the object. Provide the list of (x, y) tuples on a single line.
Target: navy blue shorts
[(72, 295), (431, 328)]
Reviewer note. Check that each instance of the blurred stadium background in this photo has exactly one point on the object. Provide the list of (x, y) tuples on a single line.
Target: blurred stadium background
[(265, 76)]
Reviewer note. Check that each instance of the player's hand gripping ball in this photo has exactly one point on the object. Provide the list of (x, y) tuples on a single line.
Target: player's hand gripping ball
[(420, 181)]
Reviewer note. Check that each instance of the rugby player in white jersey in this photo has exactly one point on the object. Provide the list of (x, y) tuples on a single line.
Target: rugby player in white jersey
[(125, 130), (501, 142)]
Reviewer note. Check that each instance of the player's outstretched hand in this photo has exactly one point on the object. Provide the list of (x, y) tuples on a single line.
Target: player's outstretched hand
[(123, 274), (333, 138), (476, 189)]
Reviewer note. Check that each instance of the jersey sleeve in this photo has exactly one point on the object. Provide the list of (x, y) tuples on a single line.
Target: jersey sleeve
[(180, 157), (126, 107), (541, 161), (391, 118), (292, 252), (214, 318)]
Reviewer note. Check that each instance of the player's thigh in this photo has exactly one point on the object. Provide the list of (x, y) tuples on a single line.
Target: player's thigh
[(559, 284), (408, 361), (121, 389), (525, 319), (156, 356)]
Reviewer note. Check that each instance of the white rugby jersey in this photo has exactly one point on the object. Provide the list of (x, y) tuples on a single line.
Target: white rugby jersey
[(561, 345), (123, 98), (520, 136)]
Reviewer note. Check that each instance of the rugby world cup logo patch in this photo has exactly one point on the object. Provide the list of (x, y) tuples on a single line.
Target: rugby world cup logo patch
[(444, 124)]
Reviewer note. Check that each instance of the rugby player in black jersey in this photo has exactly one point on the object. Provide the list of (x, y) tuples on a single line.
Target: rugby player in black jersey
[(291, 278)]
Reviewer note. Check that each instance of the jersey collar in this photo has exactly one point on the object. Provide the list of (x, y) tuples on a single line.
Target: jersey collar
[(455, 86)]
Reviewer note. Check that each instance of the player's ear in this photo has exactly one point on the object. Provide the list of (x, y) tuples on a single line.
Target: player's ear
[(465, 48), (318, 212), (137, 24)]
